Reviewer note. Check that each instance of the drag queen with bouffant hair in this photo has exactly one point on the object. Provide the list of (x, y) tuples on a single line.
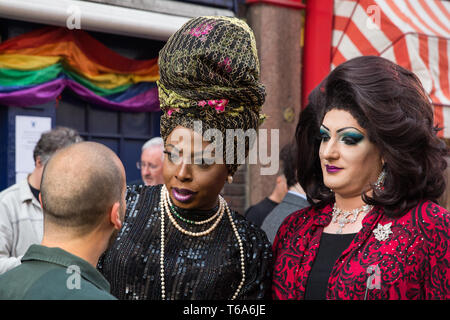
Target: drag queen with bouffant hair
[(372, 167)]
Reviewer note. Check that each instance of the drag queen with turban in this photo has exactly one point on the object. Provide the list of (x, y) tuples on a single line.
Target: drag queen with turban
[(372, 167), (180, 240)]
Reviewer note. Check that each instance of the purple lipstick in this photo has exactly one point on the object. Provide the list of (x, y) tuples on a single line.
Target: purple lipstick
[(183, 195), (332, 169)]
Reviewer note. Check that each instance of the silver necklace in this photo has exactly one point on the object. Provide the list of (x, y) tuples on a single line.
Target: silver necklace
[(342, 217), (223, 206)]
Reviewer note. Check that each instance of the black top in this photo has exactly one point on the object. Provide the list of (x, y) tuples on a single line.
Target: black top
[(330, 249), (35, 192), (258, 212), (136, 182), (196, 268)]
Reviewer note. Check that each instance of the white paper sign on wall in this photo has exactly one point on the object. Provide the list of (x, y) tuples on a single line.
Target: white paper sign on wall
[(28, 132)]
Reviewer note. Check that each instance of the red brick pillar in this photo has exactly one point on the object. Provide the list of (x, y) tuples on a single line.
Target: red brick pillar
[(278, 32)]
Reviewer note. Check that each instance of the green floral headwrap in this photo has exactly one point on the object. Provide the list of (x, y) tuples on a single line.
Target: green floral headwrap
[(209, 72)]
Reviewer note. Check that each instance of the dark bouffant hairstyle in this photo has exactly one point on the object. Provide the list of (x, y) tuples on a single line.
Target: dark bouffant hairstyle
[(390, 103)]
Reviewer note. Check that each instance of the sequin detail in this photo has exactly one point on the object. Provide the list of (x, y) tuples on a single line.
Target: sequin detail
[(202, 268)]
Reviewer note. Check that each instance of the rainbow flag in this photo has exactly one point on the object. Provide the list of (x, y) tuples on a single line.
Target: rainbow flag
[(37, 66)]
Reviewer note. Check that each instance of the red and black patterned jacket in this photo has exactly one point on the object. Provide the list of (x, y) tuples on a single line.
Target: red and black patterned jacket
[(412, 263)]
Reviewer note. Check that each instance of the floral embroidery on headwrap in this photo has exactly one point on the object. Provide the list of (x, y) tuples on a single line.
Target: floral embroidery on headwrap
[(226, 64), (201, 31), (170, 111), (218, 105)]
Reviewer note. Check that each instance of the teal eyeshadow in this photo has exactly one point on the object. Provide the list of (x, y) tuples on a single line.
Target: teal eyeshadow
[(354, 135), (323, 131)]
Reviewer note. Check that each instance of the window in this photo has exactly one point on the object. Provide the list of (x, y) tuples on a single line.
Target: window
[(123, 132)]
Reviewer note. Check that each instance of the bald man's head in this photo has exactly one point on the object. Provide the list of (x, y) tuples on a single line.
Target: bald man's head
[(80, 184)]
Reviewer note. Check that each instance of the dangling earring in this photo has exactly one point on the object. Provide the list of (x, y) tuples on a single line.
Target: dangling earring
[(230, 179), (380, 181)]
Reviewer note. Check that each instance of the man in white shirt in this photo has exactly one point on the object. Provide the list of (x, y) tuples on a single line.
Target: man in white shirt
[(21, 218), (151, 163)]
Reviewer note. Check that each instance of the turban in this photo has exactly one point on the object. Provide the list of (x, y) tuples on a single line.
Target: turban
[(209, 72)]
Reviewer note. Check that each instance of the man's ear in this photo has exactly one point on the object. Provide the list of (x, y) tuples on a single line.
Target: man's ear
[(114, 216), (280, 179), (38, 163)]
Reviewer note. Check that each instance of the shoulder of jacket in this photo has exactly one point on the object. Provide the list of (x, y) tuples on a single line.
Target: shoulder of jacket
[(306, 213), (430, 218), (10, 192), (298, 218), (428, 211)]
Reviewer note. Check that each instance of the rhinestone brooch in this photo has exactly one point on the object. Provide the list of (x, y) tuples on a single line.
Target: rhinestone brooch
[(382, 232)]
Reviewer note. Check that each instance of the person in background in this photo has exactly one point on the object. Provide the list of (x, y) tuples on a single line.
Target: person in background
[(83, 200), (259, 211), (20, 211), (372, 167), (151, 163), (295, 198)]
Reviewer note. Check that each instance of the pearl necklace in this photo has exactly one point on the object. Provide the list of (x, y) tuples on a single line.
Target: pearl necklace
[(342, 221), (190, 221), (165, 199), (179, 216)]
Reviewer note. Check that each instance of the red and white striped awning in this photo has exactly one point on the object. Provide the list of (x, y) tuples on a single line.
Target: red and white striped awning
[(413, 33)]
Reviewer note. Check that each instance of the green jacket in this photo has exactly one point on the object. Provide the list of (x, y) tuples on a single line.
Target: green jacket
[(53, 274)]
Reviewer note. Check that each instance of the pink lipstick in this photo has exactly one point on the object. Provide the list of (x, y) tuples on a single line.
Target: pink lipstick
[(183, 195), (332, 169)]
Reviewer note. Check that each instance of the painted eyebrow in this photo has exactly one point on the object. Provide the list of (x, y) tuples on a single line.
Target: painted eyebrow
[(342, 129), (346, 128), (178, 150)]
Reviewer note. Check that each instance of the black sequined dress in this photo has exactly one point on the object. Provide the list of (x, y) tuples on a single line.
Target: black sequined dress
[(196, 268)]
